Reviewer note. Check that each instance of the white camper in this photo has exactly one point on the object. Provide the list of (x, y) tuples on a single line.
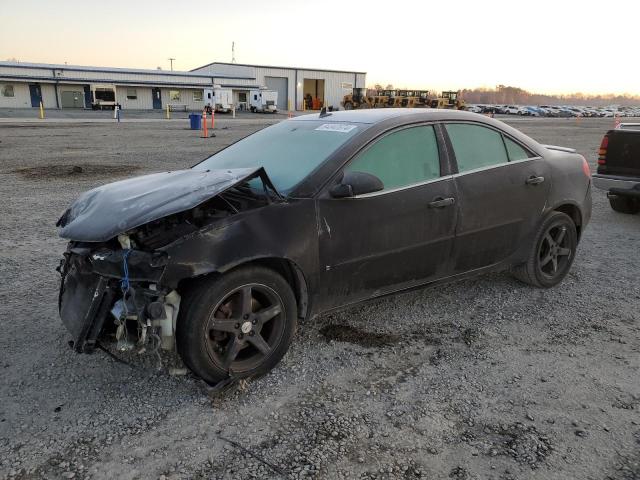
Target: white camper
[(264, 101), (218, 98), (103, 96)]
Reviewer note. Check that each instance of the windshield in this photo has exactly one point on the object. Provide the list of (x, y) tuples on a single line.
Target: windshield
[(288, 151)]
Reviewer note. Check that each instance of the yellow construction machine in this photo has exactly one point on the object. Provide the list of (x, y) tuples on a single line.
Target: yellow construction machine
[(357, 99), (450, 100)]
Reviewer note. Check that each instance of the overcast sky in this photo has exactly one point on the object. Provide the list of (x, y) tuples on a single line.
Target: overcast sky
[(548, 46)]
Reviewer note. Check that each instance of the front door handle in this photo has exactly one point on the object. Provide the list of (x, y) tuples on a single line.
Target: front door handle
[(533, 180), (440, 202)]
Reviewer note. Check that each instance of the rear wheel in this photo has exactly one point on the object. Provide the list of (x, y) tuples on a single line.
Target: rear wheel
[(552, 253), (348, 106), (236, 325), (624, 204)]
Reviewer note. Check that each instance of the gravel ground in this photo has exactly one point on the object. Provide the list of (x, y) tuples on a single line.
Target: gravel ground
[(480, 379)]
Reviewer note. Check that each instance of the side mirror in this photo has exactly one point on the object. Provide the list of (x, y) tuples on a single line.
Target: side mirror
[(356, 183)]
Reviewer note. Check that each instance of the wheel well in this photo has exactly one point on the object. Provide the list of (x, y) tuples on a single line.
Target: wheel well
[(574, 213), (294, 277), (286, 268)]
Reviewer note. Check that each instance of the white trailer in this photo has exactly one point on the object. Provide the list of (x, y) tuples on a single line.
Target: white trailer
[(103, 96), (219, 99), (263, 101)]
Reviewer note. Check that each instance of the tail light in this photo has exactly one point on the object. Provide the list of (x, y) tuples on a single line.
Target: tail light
[(602, 153), (585, 167)]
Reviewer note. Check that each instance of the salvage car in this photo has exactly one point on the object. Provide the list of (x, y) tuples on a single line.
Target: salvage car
[(310, 215)]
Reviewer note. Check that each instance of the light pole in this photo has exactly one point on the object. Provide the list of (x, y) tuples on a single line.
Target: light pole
[(171, 60)]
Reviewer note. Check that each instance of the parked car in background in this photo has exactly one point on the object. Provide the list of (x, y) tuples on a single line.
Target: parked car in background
[(619, 167), (511, 109), (312, 214)]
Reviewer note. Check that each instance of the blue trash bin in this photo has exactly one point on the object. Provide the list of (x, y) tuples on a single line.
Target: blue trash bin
[(195, 119)]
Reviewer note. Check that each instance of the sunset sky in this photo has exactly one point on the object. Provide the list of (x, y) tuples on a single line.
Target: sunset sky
[(543, 46)]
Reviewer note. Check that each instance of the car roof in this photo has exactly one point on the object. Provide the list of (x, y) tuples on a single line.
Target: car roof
[(376, 115)]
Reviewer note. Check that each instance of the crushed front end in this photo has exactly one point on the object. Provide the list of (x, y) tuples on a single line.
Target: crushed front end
[(117, 273), (114, 289)]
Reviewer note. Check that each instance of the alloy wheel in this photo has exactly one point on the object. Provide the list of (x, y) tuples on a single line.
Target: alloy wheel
[(245, 327)]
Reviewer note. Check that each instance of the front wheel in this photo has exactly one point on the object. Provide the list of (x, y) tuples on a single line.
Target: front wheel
[(236, 325), (552, 253), (624, 204)]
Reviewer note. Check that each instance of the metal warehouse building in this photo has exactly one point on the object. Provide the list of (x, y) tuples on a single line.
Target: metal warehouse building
[(292, 84), (24, 85)]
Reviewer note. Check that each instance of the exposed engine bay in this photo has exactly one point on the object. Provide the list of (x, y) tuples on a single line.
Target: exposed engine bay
[(122, 287)]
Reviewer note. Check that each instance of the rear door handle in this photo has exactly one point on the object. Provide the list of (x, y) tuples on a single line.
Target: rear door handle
[(440, 202), (533, 180)]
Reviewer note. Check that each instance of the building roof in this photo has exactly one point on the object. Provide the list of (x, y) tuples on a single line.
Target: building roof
[(82, 68), (274, 66)]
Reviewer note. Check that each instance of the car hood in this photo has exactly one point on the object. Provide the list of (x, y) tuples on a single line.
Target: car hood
[(101, 214)]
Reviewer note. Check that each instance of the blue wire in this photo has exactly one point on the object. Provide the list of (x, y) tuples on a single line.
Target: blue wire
[(124, 283)]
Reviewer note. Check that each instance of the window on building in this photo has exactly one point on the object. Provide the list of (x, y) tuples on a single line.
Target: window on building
[(401, 158), (174, 95), (197, 95), (132, 94), (7, 91), (242, 96), (476, 146)]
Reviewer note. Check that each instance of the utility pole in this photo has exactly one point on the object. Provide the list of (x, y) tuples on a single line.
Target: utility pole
[(171, 60), (233, 52)]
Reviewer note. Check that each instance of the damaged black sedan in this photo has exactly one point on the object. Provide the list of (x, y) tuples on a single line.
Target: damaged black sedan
[(309, 215)]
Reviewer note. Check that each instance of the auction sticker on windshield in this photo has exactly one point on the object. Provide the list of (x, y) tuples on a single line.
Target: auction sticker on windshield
[(336, 127)]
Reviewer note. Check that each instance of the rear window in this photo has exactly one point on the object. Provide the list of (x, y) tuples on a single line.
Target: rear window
[(476, 146), (515, 151)]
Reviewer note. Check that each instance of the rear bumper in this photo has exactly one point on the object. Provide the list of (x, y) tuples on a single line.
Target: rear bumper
[(608, 182)]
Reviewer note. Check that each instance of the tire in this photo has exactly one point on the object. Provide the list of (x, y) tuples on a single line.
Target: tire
[(624, 204), (220, 334), (552, 253), (348, 106)]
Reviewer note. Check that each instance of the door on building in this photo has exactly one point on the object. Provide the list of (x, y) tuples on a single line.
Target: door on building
[(36, 94), (72, 99), (313, 93), (88, 100), (279, 84), (157, 98)]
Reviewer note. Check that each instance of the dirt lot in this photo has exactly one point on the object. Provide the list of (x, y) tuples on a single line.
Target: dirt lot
[(481, 379)]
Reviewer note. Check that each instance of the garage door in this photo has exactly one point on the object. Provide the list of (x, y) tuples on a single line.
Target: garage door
[(279, 84), (72, 99)]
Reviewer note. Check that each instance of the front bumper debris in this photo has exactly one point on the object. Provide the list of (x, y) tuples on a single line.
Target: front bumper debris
[(92, 285)]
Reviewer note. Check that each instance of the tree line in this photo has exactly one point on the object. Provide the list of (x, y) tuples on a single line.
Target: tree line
[(506, 95)]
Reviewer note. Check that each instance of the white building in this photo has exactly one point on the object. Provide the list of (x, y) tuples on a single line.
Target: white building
[(25, 85), (293, 84)]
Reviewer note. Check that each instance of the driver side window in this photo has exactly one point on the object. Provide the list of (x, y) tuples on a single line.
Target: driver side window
[(401, 158)]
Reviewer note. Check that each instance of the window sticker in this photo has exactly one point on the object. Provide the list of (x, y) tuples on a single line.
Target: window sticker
[(336, 127)]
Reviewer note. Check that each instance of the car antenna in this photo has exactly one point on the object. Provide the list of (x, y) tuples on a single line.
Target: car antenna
[(323, 112)]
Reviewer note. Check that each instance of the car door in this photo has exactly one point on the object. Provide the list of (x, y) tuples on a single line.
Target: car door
[(395, 238), (503, 189)]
